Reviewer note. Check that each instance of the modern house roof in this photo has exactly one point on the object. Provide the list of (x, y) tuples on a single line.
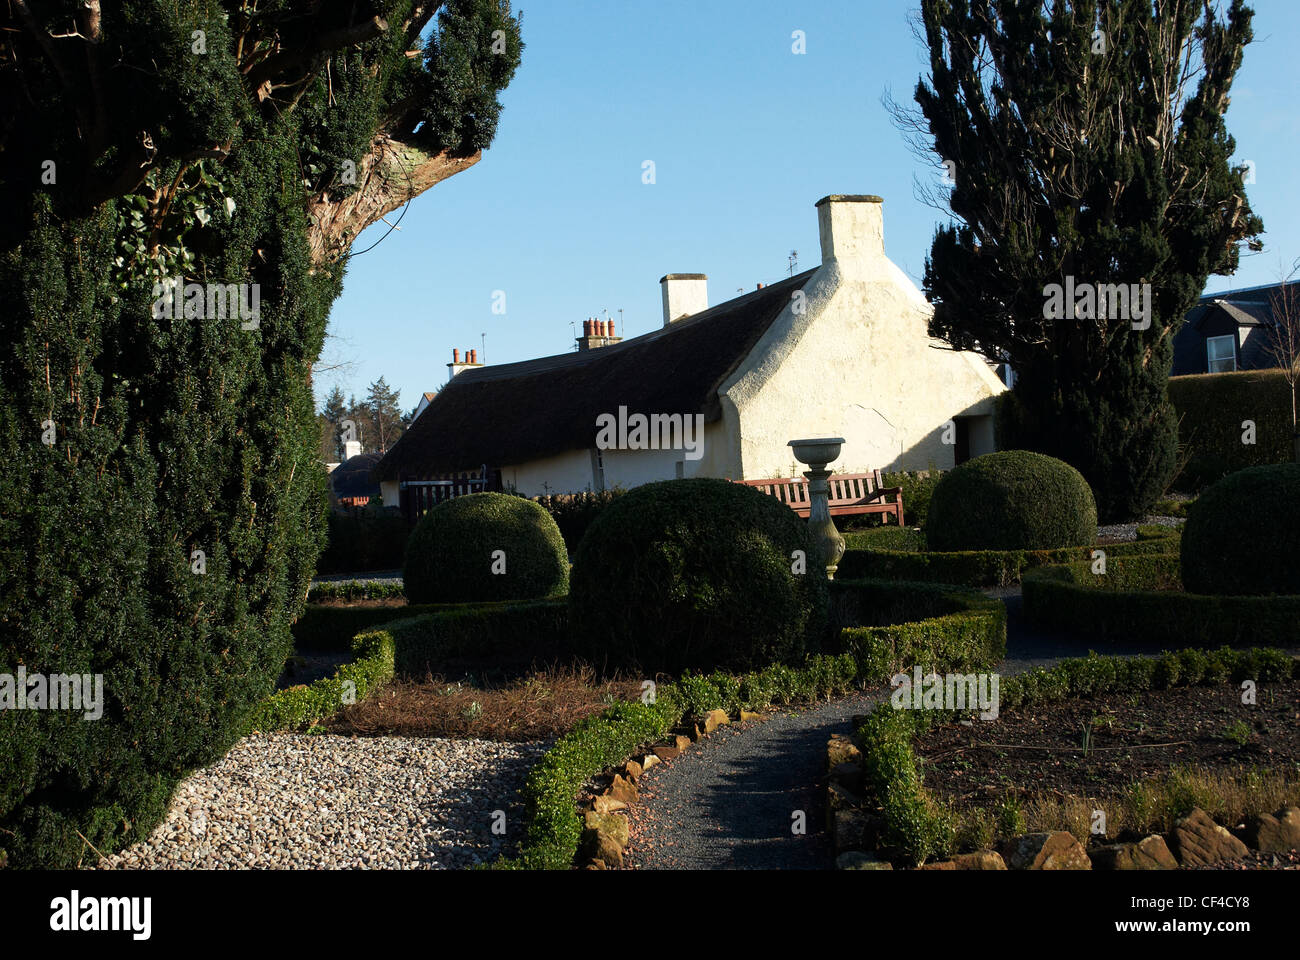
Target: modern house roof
[(1219, 314), (517, 412)]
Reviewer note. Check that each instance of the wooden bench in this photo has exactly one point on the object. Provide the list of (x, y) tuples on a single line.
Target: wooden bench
[(850, 494)]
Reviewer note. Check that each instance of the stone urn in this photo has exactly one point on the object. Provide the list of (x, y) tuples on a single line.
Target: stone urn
[(817, 453)]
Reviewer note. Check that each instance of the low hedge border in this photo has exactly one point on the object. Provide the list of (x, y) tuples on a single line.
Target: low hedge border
[(919, 826), (299, 707), (1141, 597), (968, 631), (960, 628), (478, 630), (407, 641), (552, 824), (987, 568), (329, 627)]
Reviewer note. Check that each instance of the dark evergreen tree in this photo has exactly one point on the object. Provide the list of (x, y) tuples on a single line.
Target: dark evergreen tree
[(161, 506), (331, 416), (1088, 148), (384, 415)]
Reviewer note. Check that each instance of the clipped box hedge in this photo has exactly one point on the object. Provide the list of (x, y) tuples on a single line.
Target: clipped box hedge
[(1212, 407), (1140, 598), (984, 568), (387, 641), (918, 826), (331, 627), (298, 707), (903, 624), (328, 627), (552, 826), (961, 629), (517, 631)]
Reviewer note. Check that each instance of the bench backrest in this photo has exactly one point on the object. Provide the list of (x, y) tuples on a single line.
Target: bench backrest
[(845, 488)]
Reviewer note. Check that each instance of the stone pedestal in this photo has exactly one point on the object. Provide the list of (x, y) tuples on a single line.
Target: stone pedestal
[(829, 541), (817, 453)]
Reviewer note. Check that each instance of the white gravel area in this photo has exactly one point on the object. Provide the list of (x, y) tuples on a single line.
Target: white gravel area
[(293, 801), (1128, 531)]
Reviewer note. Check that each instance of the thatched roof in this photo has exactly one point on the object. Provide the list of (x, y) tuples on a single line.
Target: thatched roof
[(517, 412), (352, 477)]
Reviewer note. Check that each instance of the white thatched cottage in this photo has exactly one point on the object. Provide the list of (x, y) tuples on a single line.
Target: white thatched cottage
[(840, 350)]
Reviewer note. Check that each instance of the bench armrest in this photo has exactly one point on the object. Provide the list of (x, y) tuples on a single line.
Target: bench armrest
[(881, 492)]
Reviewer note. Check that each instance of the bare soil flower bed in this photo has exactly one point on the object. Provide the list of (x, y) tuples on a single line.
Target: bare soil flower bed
[(540, 704), (1096, 747)]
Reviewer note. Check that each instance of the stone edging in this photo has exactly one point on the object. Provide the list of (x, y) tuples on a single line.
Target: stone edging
[(605, 832), (1195, 840)]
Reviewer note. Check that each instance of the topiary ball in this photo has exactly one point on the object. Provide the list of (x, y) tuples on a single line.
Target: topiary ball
[(484, 547), (696, 574), (1242, 535), (1012, 500)]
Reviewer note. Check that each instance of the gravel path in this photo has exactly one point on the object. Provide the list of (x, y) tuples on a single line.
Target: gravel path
[(312, 802), (728, 801)]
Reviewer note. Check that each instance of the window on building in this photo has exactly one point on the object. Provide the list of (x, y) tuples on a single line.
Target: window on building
[(1221, 354)]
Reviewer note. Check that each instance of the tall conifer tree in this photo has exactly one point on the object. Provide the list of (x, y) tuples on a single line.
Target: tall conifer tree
[(161, 506), (1087, 143)]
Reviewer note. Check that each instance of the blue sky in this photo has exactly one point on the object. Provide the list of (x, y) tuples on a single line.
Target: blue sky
[(745, 135)]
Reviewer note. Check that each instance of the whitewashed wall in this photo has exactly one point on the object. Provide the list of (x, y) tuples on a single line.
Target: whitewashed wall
[(859, 364)]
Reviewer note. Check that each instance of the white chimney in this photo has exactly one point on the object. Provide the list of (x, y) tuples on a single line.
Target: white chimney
[(685, 294), (852, 231), (351, 448)]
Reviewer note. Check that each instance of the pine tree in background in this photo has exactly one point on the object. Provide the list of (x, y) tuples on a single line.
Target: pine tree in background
[(1086, 149), (161, 509), (384, 416), (330, 418)]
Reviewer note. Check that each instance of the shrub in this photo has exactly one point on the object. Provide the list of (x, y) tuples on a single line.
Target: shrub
[(332, 628), (452, 555), (365, 540), (1211, 408), (918, 489), (696, 574), (573, 513), (1242, 536), (354, 590), (1138, 599), (553, 828), (898, 625), (877, 557), (891, 537), (1014, 500), (508, 632), (299, 706)]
